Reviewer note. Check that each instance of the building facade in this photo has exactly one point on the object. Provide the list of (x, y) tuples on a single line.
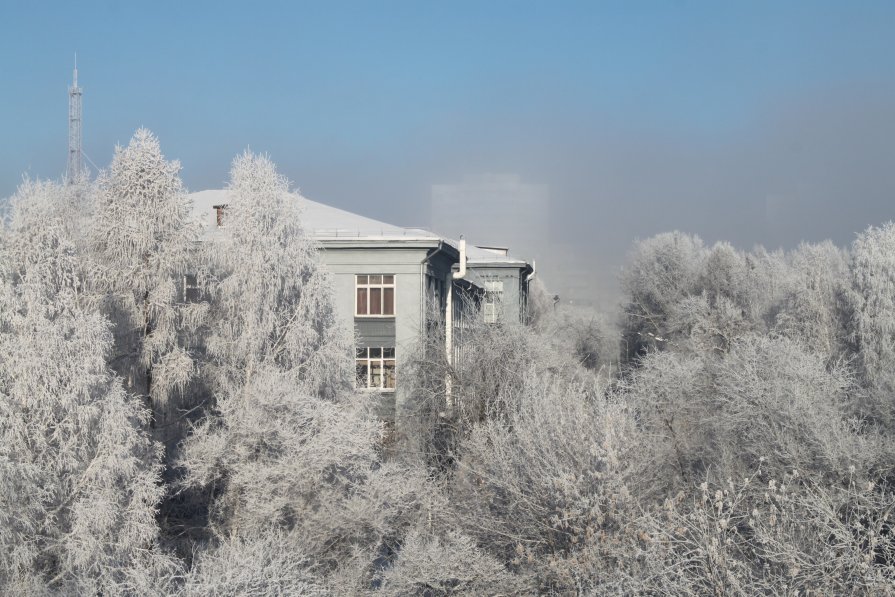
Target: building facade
[(389, 281)]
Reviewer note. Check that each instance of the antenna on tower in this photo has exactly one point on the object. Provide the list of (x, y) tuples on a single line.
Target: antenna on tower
[(75, 169)]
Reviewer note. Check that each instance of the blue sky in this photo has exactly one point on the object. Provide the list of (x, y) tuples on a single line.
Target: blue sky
[(642, 116)]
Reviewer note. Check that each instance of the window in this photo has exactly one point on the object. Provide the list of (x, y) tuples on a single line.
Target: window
[(191, 291), (375, 296), (375, 368), (435, 292), (219, 211), (492, 300)]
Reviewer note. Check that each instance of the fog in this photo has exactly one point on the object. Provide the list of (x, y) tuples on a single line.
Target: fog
[(818, 166), (760, 126)]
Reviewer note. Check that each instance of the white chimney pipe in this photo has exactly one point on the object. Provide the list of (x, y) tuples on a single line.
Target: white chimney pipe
[(449, 318), (462, 273)]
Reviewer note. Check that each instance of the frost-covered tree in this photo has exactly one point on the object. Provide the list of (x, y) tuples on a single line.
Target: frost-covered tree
[(485, 374), (811, 310), (872, 308), (47, 216), (723, 274), (700, 412), (660, 272), (272, 299), (278, 457), (286, 441), (79, 477), (142, 241), (580, 332), (705, 325), (679, 295)]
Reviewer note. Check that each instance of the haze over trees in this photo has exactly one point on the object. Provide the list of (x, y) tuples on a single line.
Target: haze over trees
[(730, 431)]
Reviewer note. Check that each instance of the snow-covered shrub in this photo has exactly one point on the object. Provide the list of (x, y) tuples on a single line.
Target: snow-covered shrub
[(492, 366), (269, 565), (680, 296), (668, 394), (803, 408), (537, 484), (541, 304), (724, 274), (763, 535), (447, 565)]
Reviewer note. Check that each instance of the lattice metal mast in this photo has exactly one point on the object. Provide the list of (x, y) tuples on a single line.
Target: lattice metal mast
[(75, 169)]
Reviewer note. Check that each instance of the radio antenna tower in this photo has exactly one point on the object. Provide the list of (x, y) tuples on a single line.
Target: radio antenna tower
[(75, 170)]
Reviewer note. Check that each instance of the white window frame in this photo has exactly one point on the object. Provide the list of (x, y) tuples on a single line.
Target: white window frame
[(371, 356), (369, 285), (492, 301)]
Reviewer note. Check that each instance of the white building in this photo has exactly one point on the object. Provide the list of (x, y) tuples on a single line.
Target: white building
[(385, 276)]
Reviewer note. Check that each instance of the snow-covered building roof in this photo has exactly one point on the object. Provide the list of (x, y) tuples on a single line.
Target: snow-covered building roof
[(324, 222), (488, 256), (333, 226)]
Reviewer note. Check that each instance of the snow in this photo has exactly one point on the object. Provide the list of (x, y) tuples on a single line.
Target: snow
[(322, 221), (327, 223)]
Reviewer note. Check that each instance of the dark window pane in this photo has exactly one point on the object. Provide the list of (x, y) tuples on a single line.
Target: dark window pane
[(390, 374), (388, 279), (360, 353), (388, 353), (376, 375), (388, 302), (361, 301), (375, 353), (375, 301), (191, 292), (375, 279), (362, 279), (361, 374)]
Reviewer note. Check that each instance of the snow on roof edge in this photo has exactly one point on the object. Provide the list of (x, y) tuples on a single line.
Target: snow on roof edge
[(335, 224)]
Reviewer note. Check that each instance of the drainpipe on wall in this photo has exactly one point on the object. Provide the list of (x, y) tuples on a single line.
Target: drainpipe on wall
[(449, 317), (423, 268), (534, 270), (528, 279)]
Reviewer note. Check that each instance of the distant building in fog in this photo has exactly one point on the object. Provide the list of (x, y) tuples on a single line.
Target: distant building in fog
[(497, 209), (502, 210)]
